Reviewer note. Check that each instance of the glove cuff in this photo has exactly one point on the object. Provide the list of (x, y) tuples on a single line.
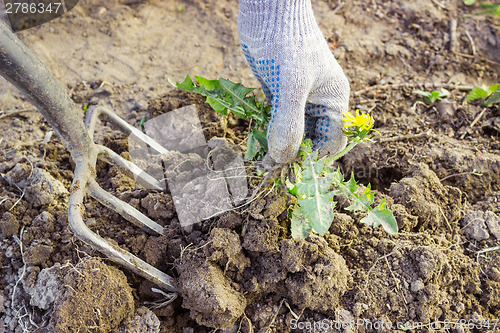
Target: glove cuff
[(263, 19)]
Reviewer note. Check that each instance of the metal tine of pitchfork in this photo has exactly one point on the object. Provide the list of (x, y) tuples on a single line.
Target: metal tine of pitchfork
[(108, 155), (26, 72), (105, 198)]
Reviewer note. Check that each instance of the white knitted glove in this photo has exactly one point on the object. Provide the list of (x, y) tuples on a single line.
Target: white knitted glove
[(299, 75)]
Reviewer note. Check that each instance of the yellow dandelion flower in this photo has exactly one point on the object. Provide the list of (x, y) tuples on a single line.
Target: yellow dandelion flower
[(362, 121)]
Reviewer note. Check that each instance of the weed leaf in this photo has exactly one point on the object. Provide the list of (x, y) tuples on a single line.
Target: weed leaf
[(319, 211), (476, 93), (493, 88), (381, 216), (261, 137), (434, 96), (225, 96), (239, 92), (314, 199), (490, 8), (360, 202), (494, 98), (252, 147), (187, 84), (301, 228), (363, 202)]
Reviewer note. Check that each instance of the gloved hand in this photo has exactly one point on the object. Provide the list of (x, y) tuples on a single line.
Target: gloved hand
[(299, 75)]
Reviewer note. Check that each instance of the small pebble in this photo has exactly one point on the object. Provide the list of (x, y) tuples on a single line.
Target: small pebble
[(417, 285), (2, 303)]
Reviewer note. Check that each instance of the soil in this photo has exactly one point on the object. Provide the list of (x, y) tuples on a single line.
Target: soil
[(437, 166)]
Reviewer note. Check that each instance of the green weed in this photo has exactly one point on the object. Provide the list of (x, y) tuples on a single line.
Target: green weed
[(433, 96), (493, 9), (225, 96), (314, 183), (490, 95), (144, 118)]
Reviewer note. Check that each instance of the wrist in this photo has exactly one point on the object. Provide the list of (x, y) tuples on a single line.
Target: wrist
[(270, 18)]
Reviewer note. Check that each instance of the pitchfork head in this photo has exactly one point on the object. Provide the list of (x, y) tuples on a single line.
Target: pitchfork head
[(84, 183)]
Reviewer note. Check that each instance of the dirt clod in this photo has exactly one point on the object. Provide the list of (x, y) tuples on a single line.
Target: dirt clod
[(43, 189), (18, 174), (144, 321), (318, 276), (224, 247), (493, 222), (38, 253), (436, 205), (230, 220), (437, 166), (9, 224), (262, 235), (97, 298), (208, 293)]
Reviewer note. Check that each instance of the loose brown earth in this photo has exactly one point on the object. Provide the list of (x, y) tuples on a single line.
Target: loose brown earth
[(241, 271)]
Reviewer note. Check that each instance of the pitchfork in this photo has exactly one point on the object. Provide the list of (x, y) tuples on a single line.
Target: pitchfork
[(26, 72)]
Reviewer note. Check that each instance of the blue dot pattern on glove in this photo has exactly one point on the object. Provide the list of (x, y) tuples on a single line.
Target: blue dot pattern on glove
[(268, 74), (317, 124)]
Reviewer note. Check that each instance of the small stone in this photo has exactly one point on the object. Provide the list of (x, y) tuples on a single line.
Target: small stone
[(6, 166), (2, 303), (18, 175), (447, 110), (45, 220), (493, 222), (492, 124), (344, 316), (494, 274), (99, 11), (43, 189), (474, 225), (47, 288), (492, 41), (417, 285), (459, 307)]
